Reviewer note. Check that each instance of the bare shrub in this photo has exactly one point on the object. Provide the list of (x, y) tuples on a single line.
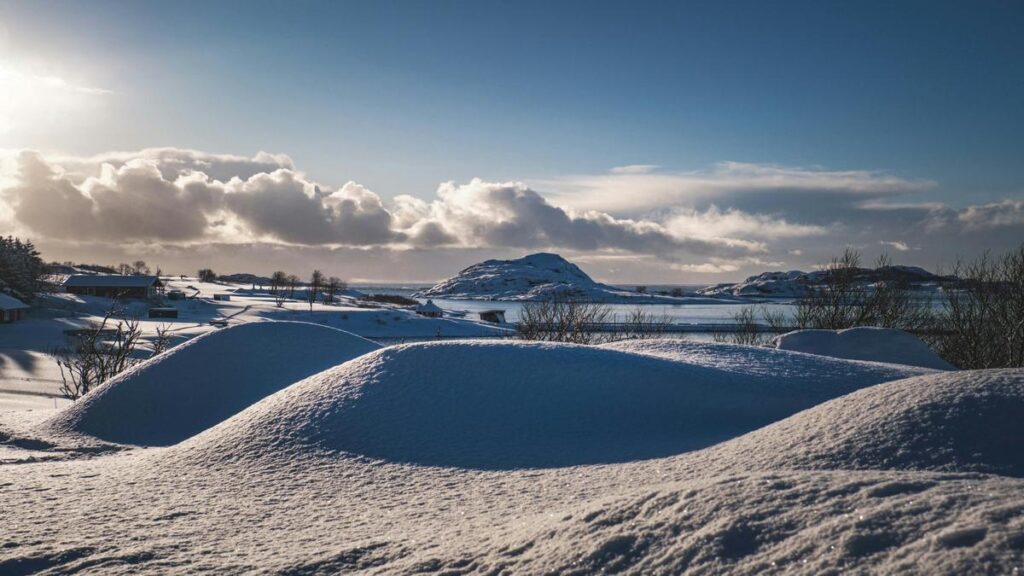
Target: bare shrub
[(981, 324), (640, 324), (562, 319), (755, 326), (844, 300), (162, 341), (96, 355)]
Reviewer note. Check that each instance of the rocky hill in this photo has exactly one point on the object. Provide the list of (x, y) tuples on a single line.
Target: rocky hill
[(794, 284), (534, 277)]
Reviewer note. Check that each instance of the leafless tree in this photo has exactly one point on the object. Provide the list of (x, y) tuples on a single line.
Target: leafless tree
[(562, 319), (640, 324), (981, 323), (206, 275), (844, 299), (333, 286), (278, 280), (293, 281), (316, 280), (97, 354)]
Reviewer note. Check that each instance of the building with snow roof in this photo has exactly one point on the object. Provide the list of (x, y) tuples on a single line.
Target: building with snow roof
[(496, 316), (430, 310), (114, 286), (11, 308)]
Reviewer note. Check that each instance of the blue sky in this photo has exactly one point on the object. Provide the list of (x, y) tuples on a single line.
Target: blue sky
[(402, 96)]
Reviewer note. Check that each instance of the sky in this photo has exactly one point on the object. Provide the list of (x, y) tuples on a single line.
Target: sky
[(650, 142)]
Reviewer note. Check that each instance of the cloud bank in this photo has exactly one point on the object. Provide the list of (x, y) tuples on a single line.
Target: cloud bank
[(732, 218)]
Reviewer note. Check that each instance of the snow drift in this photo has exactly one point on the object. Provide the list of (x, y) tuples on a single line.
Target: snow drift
[(795, 367), (769, 523), (206, 380), (501, 405), (873, 344), (949, 421)]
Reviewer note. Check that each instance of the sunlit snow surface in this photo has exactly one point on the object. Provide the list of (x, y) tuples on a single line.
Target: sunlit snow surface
[(407, 459)]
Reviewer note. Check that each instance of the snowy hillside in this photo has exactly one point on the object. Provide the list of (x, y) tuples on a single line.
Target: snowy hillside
[(532, 277), (794, 284)]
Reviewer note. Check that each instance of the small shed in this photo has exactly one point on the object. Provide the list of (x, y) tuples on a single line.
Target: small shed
[(11, 309), (114, 286), (493, 316), (222, 296), (163, 312), (430, 310)]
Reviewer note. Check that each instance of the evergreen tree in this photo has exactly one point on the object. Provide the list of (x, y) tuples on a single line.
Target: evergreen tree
[(21, 268)]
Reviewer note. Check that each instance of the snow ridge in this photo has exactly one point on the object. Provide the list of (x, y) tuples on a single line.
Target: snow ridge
[(199, 383)]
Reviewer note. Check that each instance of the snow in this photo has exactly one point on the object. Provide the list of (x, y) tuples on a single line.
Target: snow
[(26, 347), (536, 277), (504, 405), (793, 367), (507, 457), (195, 385), (949, 421), (864, 343)]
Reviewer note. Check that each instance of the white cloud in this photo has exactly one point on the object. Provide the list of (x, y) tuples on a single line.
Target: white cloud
[(995, 215), (733, 223), (167, 200), (895, 244), (634, 169), (630, 190), (167, 194)]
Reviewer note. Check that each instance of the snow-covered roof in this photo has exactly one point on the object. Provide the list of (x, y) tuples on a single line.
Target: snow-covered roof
[(111, 280), (11, 303)]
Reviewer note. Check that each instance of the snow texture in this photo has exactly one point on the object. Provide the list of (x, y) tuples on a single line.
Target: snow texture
[(948, 421), (195, 385), (865, 343), (918, 474), (513, 405)]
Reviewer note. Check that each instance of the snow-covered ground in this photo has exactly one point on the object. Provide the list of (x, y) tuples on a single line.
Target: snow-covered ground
[(28, 367), (864, 343), (506, 457)]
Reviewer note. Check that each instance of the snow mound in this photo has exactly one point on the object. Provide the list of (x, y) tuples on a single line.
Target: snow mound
[(970, 421), (504, 405), (770, 523), (871, 344), (795, 367), (204, 381)]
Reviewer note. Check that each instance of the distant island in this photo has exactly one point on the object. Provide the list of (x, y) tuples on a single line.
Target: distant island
[(537, 277), (795, 283), (544, 275)]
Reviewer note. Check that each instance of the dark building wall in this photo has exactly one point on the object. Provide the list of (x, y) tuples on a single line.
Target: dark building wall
[(109, 292)]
